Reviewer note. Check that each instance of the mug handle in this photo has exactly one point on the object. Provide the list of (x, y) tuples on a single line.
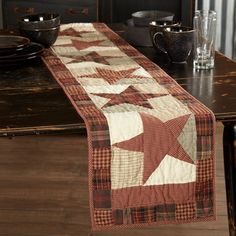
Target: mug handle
[(158, 41)]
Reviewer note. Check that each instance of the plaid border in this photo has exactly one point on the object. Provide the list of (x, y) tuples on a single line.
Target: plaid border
[(204, 190), (103, 217), (205, 149), (205, 208), (143, 215), (205, 170), (102, 199), (118, 216), (100, 177), (101, 158), (165, 212), (185, 211)]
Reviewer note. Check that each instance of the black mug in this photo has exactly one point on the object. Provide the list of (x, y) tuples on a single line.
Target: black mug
[(176, 41), (159, 26)]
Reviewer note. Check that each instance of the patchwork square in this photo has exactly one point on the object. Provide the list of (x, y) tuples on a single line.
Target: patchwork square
[(185, 211), (103, 217), (101, 158), (205, 170), (204, 190), (102, 198), (118, 216), (101, 179), (143, 215), (151, 144), (205, 207), (165, 212)]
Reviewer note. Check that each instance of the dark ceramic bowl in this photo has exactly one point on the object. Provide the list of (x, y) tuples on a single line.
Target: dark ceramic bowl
[(39, 21), (46, 37), (143, 18)]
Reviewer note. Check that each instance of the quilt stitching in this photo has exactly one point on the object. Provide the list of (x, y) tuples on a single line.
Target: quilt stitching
[(138, 174)]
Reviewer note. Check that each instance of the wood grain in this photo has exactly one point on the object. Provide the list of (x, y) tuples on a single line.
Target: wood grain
[(44, 191)]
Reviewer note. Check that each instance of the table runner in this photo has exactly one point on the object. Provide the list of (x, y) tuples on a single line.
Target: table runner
[(151, 144)]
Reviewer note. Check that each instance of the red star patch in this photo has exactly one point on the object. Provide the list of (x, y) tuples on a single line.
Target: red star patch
[(72, 32), (112, 76), (92, 56), (80, 45), (129, 95), (158, 140)]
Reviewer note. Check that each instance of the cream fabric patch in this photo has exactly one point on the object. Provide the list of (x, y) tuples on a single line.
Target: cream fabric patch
[(172, 171), (126, 168), (124, 126)]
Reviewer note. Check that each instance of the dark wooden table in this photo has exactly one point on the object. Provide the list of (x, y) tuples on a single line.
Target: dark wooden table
[(31, 102)]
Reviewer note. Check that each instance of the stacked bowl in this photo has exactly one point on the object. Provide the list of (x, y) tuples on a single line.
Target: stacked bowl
[(137, 28), (15, 49), (143, 18), (41, 28)]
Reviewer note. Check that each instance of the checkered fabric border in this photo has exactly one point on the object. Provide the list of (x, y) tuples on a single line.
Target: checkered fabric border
[(103, 215)]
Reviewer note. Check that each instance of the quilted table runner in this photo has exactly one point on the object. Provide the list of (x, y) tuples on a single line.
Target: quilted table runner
[(151, 144)]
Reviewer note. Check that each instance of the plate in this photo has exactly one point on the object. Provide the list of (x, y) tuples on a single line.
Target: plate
[(30, 52), (12, 42)]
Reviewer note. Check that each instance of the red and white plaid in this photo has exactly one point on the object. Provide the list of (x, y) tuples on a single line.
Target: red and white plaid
[(151, 144)]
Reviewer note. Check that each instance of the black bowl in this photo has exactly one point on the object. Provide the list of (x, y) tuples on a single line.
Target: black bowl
[(143, 18), (39, 21), (46, 37)]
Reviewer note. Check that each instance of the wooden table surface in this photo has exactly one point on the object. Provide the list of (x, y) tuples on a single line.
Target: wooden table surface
[(31, 102)]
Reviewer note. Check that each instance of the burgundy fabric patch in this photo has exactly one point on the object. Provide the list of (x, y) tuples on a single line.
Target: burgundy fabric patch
[(143, 215), (205, 208), (102, 179), (102, 198), (88, 57), (165, 212), (152, 195), (204, 190), (118, 216)]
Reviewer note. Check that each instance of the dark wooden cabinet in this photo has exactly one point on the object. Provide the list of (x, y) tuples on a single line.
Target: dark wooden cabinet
[(70, 10), (108, 11), (113, 11)]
